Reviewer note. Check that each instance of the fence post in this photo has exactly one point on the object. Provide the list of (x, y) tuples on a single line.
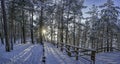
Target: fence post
[(69, 53), (57, 44), (43, 58), (61, 45), (77, 53), (93, 57)]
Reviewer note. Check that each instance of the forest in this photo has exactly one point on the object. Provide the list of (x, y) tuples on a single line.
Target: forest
[(67, 24)]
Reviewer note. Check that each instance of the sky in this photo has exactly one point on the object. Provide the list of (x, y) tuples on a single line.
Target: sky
[(89, 3), (99, 2)]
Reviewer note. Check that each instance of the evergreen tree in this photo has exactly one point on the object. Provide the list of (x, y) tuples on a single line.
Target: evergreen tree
[(109, 16), (7, 45)]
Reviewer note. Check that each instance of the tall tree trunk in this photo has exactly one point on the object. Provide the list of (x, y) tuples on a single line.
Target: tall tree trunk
[(12, 23), (66, 40), (23, 24), (31, 29), (41, 25), (1, 37), (74, 34), (23, 28), (107, 37), (62, 27), (51, 26), (1, 33), (21, 32), (14, 35), (58, 32), (111, 41), (5, 26)]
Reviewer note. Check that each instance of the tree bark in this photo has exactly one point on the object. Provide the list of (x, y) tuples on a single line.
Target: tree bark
[(1, 33), (41, 25), (7, 46), (23, 24), (31, 29), (12, 23)]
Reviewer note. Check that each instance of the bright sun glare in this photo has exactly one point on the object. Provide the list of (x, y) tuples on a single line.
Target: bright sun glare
[(43, 31)]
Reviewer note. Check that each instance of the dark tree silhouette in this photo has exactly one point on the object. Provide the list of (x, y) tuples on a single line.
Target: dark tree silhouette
[(5, 26)]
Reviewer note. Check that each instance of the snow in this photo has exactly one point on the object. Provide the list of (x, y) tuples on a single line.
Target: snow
[(22, 54), (108, 58), (55, 56), (32, 54)]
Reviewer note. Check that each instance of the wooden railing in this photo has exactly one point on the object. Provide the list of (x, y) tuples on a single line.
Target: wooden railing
[(71, 49), (106, 49)]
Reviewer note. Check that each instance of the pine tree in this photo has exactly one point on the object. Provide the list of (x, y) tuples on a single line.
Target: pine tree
[(7, 45), (31, 29), (93, 12), (109, 16)]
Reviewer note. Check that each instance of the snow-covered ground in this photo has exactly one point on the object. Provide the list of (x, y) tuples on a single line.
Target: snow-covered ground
[(22, 54), (55, 56), (108, 58), (32, 54)]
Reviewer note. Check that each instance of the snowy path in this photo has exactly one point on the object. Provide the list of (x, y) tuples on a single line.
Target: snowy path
[(55, 56), (23, 54), (29, 56)]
